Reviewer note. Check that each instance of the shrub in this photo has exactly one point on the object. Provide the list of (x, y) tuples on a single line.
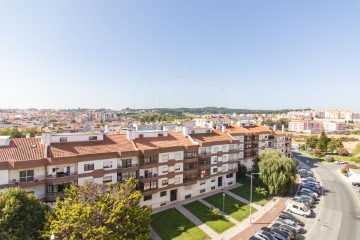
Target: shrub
[(317, 152), (181, 228), (329, 158), (355, 159), (213, 212), (343, 152), (343, 170), (350, 166), (236, 206)]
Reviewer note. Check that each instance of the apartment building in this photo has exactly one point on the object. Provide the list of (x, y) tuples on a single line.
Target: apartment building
[(316, 126), (170, 165)]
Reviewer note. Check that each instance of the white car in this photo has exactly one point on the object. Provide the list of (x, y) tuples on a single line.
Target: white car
[(298, 208), (341, 162)]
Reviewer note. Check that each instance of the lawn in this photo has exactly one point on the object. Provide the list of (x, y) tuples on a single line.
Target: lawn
[(244, 191), (336, 156), (240, 213), (166, 223), (218, 223)]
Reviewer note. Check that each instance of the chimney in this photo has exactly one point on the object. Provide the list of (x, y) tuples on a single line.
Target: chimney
[(130, 135), (283, 128), (46, 138), (223, 129), (186, 131), (274, 128)]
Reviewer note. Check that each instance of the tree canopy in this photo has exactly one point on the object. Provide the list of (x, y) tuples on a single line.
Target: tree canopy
[(100, 211), (277, 171), (21, 215), (311, 142), (335, 144), (323, 142)]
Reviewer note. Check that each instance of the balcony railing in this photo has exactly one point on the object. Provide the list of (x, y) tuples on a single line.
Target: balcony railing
[(27, 179), (203, 153), (127, 166), (185, 180), (60, 175), (150, 175)]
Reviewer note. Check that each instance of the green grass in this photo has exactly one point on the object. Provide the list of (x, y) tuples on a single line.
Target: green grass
[(244, 191), (166, 223), (239, 214), (218, 223), (336, 156)]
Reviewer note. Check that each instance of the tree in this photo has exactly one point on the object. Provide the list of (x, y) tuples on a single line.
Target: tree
[(277, 172), (335, 144), (100, 211), (343, 151), (242, 169), (329, 158), (323, 142), (311, 142), (22, 215), (356, 149), (317, 152)]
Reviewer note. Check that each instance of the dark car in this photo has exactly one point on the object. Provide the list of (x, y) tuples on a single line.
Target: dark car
[(286, 215), (281, 227), (311, 187), (255, 238), (264, 234), (357, 184), (277, 233)]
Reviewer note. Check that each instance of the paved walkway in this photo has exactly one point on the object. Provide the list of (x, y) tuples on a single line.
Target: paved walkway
[(205, 228)]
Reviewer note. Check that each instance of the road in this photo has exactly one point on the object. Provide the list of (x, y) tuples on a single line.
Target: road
[(338, 213)]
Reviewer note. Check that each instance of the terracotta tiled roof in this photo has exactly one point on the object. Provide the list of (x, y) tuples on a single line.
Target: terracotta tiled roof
[(234, 129), (216, 137), (278, 132), (22, 149), (173, 139), (111, 144)]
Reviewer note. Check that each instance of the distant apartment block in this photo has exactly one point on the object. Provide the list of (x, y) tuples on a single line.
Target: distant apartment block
[(315, 126), (170, 165)]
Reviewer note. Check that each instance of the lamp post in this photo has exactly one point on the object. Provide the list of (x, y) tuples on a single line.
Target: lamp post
[(223, 202), (251, 191)]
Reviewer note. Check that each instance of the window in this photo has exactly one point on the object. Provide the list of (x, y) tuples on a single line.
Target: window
[(26, 175), (141, 135), (188, 196), (213, 188), (149, 159), (107, 164), (165, 182), (162, 204), (202, 190), (215, 149), (230, 183), (202, 182), (177, 180), (126, 175), (191, 154), (160, 134), (147, 198), (63, 139), (224, 158), (177, 156), (165, 158), (88, 167), (215, 170), (165, 169), (107, 179), (223, 168), (148, 186), (91, 138), (126, 163), (224, 148), (229, 175), (177, 168), (215, 159), (163, 194), (213, 180)]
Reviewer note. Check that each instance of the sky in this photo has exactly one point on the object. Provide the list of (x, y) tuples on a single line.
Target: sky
[(146, 54)]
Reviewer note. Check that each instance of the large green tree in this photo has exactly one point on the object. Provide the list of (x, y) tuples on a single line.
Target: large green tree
[(323, 142), (277, 171), (22, 215), (97, 211), (334, 144), (311, 142)]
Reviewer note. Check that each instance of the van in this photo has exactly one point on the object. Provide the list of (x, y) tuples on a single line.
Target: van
[(298, 208)]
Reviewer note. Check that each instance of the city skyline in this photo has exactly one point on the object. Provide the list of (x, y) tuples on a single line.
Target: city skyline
[(170, 54)]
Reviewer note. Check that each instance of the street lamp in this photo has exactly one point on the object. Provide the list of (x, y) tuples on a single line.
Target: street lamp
[(223, 202), (251, 191)]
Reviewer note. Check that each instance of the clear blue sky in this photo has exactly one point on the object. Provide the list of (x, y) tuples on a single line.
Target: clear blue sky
[(241, 54)]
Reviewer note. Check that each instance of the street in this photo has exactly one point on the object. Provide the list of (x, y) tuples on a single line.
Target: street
[(337, 215)]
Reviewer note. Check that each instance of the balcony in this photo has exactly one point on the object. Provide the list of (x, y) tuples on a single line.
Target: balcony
[(204, 153), (28, 181), (148, 177), (127, 168), (63, 177), (189, 181)]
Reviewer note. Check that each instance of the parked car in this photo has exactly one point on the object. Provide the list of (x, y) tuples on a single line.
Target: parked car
[(313, 179), (289, 223), (357, 184), (313, 194), (304, 201), (311, 187), (286, 215), (265, 235), (298, 208), (284, 228), (256, 238), (311, 182), (281, 235), (305, 196), (341, 162)]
